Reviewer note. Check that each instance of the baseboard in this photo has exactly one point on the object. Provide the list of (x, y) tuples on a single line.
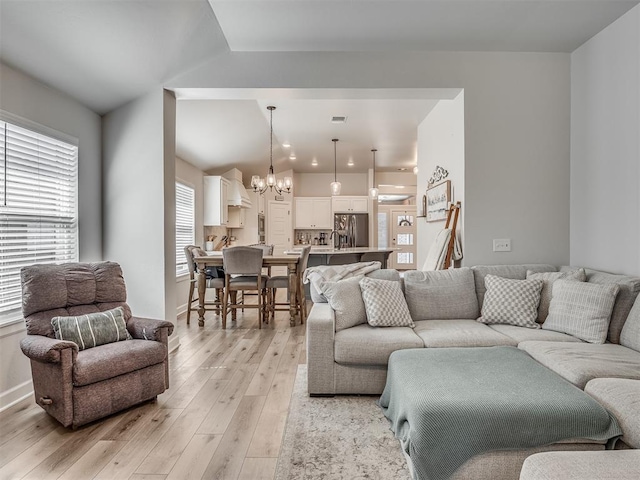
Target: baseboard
[(174, 342), (15, 394), (181, 309)]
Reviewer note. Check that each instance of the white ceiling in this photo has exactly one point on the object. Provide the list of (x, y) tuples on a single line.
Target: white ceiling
[(400, 25), (105, 53), (216, 135)]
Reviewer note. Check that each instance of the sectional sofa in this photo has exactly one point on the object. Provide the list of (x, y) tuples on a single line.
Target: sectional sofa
[(347, 356)]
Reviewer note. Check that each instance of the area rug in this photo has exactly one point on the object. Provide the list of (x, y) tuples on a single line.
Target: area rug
[(338, 438)]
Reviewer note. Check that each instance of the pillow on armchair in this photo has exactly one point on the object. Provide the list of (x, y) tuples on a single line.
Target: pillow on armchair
[(93, 329)]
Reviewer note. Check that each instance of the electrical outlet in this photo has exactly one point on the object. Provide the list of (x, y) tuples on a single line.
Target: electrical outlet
[(501, 244)]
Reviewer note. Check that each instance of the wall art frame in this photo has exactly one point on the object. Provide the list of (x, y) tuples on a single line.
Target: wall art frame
[(438, 200)]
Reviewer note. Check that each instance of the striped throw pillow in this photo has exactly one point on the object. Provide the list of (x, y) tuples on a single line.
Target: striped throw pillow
[(93, 329), (581, 309)]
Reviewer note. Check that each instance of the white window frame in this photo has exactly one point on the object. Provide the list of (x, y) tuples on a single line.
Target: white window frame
[(22, 222), (185, 224)]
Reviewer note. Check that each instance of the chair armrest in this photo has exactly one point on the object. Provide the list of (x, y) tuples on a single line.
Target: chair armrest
[(148, 328), (320, 349), (45, 349)]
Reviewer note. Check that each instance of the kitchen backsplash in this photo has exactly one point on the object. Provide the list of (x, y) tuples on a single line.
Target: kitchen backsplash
[(217, 232), (311, 237)]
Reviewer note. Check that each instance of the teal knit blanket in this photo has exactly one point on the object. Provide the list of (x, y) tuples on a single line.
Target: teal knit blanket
[(447, 405)]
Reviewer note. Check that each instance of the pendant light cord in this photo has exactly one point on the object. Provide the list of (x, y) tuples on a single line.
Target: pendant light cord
[(335, 160), (271, 140)]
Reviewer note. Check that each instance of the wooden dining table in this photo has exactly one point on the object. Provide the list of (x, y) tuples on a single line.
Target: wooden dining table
[(215, 260)]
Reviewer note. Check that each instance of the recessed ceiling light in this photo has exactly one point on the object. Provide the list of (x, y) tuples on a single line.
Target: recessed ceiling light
[(399, 186), (286, 145), (339, 119), (314, 163), (415, 170), (350, 163), (292, 157)]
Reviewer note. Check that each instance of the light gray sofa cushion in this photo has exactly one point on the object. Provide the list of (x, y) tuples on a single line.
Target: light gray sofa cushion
[(548, 278), (367, 345), (581, 309), (629, 289), (517, 272), (346, 300), (441, 294), (581, 362), (459, 333), (381, 274), (630, 336), (520, 334), (604, 465), (621, 396)]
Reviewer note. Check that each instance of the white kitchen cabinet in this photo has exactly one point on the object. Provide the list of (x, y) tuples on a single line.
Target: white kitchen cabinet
[(350, 204), (216, 209), (236, 217), (313, 212)]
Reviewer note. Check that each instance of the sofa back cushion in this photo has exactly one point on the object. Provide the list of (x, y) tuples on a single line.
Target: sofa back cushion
[(629, 289), (548, 278), (68, 290), (630, 335), (516, 272), (345, 298), (441, 294)]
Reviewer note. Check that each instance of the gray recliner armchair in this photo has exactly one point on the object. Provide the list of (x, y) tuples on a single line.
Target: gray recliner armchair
[(79, 386)]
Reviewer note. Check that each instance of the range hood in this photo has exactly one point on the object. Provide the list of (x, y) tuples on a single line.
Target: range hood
[(237, 195)]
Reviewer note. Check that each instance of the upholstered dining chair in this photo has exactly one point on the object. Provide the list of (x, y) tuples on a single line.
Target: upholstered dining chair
[(282, 281), (266, 272), (90, 357), (215, 280), (243, 271)]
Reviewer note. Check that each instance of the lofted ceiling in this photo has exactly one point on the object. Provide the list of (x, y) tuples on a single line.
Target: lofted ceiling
[(105, 53), (414, 25)]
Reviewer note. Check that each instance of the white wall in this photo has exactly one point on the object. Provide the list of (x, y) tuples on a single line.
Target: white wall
[(440, 143), (605, 148), (25, 97), (139, 201), (516, 114)]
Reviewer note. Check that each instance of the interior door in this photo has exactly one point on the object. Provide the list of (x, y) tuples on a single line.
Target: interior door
[(403, 238), (279, 226)]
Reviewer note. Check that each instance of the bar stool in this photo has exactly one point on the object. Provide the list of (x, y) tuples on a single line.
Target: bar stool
[(282, 281), (213, 281), (246, 263)]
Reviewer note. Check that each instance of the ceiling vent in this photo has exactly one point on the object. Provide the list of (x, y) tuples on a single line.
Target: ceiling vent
[(338, 119)]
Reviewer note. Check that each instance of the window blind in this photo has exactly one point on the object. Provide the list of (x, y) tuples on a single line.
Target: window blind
[(38, 208), (185, 224)]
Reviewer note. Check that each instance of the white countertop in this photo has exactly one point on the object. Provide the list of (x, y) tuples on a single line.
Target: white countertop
[(327, 250)]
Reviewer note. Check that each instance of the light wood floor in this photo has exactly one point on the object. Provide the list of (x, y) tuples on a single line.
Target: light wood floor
[(222, 418)]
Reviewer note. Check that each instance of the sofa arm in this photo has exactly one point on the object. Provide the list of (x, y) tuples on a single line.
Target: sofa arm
[(45, 349), (321, 327), (149, 329)]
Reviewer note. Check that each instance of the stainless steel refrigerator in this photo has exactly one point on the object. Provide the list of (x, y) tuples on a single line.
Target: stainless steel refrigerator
[(353, 229)]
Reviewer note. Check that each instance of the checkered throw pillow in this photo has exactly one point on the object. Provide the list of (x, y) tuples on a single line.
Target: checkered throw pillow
[(514, 302), (385, 304)]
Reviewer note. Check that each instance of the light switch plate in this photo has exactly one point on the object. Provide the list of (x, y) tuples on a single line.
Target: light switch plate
[(501, 244)]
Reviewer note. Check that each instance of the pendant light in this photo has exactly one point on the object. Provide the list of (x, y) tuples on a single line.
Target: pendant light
[(280, 186), (336, 186), (373, 191)]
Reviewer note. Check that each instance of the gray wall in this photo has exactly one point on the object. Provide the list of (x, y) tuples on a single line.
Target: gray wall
[(139, 201), (516, 123), (25, 97), (605, 148)]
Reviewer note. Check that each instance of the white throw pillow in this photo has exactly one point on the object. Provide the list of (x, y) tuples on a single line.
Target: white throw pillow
[(345, 299), (514, 302), (548, 278), (385, 304), (581, 309)]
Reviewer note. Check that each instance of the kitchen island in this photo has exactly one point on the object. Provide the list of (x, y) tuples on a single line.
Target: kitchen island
[(321, 255)]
